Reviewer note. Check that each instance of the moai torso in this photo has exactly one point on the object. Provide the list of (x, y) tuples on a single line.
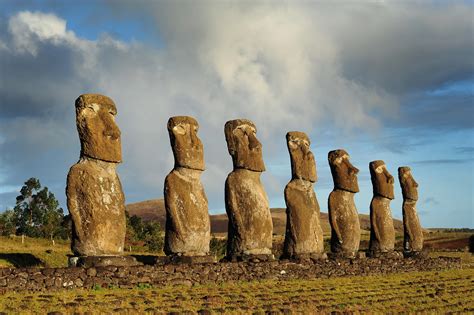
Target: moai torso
[(250, 222), (382, 232), (304, 236), (413, 233), (188, 228), (94, 194), (343, 215)]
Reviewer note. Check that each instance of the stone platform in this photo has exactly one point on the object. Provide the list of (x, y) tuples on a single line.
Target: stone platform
[(44, 279)]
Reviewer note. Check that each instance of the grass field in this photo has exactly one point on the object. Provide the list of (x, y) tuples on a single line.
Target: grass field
[(428, 292), (451, 290)]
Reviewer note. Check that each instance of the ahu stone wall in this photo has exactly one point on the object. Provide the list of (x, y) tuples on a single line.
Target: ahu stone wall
[(51, 279)]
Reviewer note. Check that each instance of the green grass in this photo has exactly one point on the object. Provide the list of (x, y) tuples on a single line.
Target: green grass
[(33, 252), (451, 290), (38, 252)]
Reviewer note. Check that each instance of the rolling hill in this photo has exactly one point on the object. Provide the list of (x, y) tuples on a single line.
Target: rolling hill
[(154, 210)]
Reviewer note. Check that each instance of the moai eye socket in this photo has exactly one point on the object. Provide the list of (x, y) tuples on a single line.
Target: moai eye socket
[(179, 129), (380, 169), (93, 107), (293, 144)]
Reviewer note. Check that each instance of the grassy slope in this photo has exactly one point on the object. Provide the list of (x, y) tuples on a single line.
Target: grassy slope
[(451, 290), (154, 209)]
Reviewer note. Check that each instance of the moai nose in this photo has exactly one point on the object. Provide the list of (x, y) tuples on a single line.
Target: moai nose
[(253, 142), (111, 129)]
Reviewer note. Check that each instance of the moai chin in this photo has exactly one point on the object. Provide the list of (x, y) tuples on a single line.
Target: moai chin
[(250, 221), (304, 236), (413, 233), (94, 194), (188, 228), (382, 232), (343, 216)]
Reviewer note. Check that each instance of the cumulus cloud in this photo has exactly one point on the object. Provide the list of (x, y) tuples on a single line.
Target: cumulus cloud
[(28, 28), (285, 66)]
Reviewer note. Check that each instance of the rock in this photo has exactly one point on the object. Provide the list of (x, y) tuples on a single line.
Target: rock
[(343, 216), (188, 228), (91, 272), (382, 232), (413, 233), (304, 235), (250, 222), (106, 261), (94, 193)]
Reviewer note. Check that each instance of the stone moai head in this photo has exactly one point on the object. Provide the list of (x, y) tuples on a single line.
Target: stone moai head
[(408, 184), (187, 147), (344, 174), (303, 165), (243, 145), (98, 132), (382, 180)]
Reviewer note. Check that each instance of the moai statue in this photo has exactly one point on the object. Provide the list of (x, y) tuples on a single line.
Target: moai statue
[(413, 233), (94, 194), (246, 202), (304, 236), (382, 232), (343, 216), (188, 229)]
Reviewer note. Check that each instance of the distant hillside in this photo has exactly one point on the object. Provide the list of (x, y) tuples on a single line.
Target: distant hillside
[(154, 210)]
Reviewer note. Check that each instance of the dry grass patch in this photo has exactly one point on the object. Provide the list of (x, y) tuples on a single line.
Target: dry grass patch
[(451, 290)]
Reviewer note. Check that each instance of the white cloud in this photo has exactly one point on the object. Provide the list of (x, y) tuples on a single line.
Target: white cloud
[(27, 28)]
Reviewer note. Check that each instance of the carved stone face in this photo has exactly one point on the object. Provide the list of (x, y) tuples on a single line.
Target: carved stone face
[(344, 174), (187, 147), (407, 183), (382, 180), (243, 145), (98, 132), (303, 165)]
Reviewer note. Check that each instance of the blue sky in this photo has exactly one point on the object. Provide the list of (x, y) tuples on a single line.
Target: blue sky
[(383, 80)]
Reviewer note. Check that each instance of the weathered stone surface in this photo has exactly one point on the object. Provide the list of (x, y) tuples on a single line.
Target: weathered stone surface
[(343, 216), (94, 194), (103, 261), (250, 223), (188, 228), (382, 231), (413, 233), (304, 236), (98, 132), (243, 145)]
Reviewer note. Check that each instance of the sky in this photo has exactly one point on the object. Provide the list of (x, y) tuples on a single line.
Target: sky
[(384, 80)]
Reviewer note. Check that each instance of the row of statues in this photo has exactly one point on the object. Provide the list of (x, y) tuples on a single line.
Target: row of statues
[(96, 202)]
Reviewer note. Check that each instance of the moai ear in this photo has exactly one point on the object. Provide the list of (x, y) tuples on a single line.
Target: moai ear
[(179, 130)]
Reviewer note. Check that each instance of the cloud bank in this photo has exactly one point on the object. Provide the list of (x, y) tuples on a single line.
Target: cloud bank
[(285, 66)]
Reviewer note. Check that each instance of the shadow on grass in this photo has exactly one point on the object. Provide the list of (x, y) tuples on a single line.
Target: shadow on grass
[(146, 259), (22, 260)]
